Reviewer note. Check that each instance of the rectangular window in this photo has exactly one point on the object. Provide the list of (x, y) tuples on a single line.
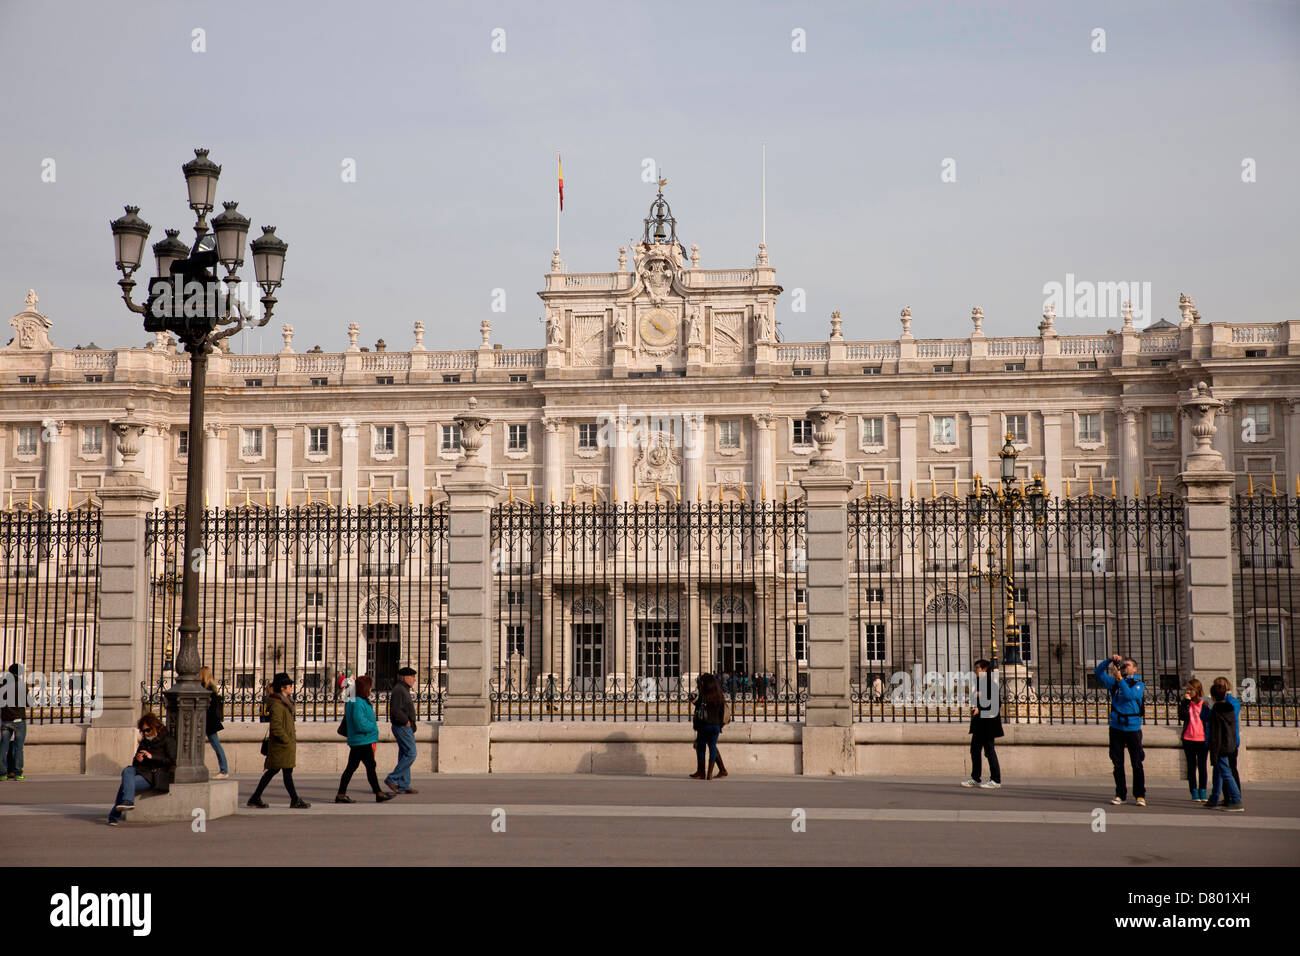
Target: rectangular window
[(801, 642), (1167, 647), (659, 650), (94, 378), (79, 647), (182, 443), (28, 438), (1021, 594), (92, 440), (320, 382), (1019, 650), (318, 440), (800, 595), (803, 431), (729, 434), (1256, 353), (383, 380), (873, 431), (315, 598), (1162, 426), (450, 379), (1259, 414), (252, 445), (1159, 363), (1018, 427), (26, 379), (873, 643), (943, 368), (871, 370), (313, 645), (1095, 648), (515, 598), (802, 372), (1268, 645), (874, 595), (1013, 367), (518, 438), (252, 383), (385, 439), (514, 640), (945, 430), (451, 438), (1088, 364), (587, 435), (246, 639), (519, 377), (1089, 426), (13, 644)]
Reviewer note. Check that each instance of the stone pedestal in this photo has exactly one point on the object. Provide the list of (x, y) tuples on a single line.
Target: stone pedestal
[(216, 798)]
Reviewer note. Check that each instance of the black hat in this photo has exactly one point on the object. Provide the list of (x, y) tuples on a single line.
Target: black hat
[(406, 672), (280, 680)]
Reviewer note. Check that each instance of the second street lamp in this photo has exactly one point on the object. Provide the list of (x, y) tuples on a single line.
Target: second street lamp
[(187, 299)]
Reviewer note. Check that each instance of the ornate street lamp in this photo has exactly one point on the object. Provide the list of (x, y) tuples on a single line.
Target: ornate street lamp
[(186, 299)]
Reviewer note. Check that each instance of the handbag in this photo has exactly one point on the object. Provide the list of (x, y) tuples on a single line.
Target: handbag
[(343, 724), (265, 744)]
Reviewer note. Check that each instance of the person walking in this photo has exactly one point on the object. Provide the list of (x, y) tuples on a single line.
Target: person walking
[(1223, 746), (363, 741), (13, 725), (151, 767), (214, 726), (281, 744), (985, 728), (709, 718), (1194, 713), (1119, 675), (401, 714)]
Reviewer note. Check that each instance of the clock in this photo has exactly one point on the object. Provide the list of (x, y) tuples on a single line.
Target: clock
[(658, 328)]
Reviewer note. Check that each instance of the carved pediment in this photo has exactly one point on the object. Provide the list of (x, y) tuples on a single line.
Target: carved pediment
[(31, 329)]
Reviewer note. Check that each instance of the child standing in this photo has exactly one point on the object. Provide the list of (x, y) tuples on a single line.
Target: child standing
[(1223, 745), (1194, 713)]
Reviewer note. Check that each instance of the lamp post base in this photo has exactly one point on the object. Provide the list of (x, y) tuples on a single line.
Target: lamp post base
[(187, 714)]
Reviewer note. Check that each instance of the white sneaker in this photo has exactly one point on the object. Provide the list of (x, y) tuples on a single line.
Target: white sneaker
[(990, 785), (220, 776), (970, 783), (1117, 800)]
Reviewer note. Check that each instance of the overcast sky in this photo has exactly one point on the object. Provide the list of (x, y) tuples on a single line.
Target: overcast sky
[(1117, 166)]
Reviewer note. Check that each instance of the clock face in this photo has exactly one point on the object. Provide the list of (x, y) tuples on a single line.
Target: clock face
[(658, 328)]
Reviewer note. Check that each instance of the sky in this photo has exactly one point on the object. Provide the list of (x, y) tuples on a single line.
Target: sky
[(938, 156)]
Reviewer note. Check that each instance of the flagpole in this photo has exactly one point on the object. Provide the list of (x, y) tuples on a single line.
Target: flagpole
[(765, 193), (559, 166)]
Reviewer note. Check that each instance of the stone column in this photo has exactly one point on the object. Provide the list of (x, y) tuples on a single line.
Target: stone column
[(979, 445), (622, 459), (158, 457), (348, 459), (552, 459), (1207, 631), (1130, 462), (1223, 436), (906, 453), (463, 739), (765, 453), (122, 631), (4, 453), (1291, 406), (415, 462), (1052, 452), (54, 432), (694, 440), (828, 723), (283, 464), (214, 465)]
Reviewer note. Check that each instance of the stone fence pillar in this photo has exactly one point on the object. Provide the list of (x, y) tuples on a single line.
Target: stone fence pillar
[(828, 722), (1207, 601), (123, 632), (467, 709)]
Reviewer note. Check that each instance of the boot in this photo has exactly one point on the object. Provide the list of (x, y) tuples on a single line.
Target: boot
[(711, 766), (699, 768), (722, 771)]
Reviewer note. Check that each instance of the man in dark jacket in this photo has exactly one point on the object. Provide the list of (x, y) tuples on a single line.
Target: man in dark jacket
[(1119, 675), (985, 727), (13, 722), (1223, 746), (401, 713)]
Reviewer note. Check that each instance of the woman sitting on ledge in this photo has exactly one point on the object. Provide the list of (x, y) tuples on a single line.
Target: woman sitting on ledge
[(151, 769)]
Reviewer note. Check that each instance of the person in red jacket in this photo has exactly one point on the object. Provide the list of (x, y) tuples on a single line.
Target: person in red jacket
[(1194, 713)]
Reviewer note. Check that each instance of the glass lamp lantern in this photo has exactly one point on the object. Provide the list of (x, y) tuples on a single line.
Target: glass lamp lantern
[(129, 235), (201, 175)]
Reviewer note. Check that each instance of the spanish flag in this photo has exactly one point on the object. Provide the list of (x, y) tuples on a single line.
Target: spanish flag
[(560, 165)]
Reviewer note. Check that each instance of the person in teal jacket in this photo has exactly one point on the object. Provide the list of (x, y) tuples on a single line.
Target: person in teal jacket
[(363, 741), (1119, 675)]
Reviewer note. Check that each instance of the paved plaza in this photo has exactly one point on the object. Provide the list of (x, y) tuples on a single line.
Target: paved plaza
[(629, 820)]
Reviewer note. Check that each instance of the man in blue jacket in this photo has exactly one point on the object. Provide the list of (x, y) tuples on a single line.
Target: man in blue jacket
[(1119, 675)]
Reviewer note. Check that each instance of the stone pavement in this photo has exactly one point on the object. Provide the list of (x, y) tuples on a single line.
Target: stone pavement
[(589, 819)]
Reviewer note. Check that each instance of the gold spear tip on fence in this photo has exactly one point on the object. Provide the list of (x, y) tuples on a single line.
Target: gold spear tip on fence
[(1274, 479), (531, 497), (911, 489), (1250, 486), (1137, 492), (1159, 485), (656, 494), (1067, 489), (390, 494), (1114, 493), (349, 497), (1090, 486)]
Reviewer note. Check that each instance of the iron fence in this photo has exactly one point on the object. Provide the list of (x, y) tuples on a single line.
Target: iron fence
[(936, 584), (314, 591), (1266, 546), (49, 608), (611, 611)]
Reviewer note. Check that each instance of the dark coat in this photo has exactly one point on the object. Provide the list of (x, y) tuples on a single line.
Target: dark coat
[(1223, 733), (401, 709), (982, 699), (707, 714), (158, 766), (215, 713), (282, 747)]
